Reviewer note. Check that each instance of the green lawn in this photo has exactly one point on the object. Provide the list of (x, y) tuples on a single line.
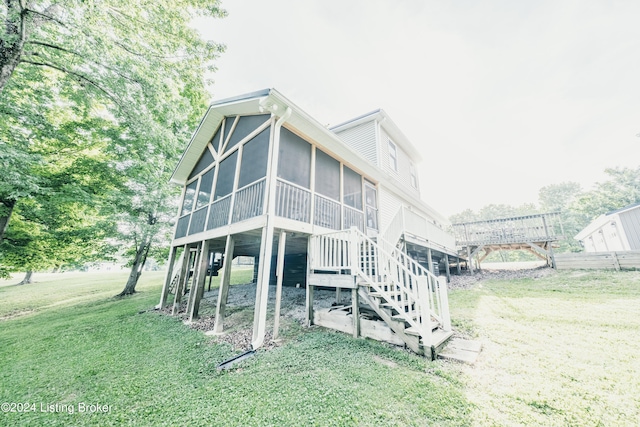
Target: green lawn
[(558, 350)]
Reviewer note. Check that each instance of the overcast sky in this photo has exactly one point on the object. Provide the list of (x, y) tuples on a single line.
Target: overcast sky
[(501, 97)]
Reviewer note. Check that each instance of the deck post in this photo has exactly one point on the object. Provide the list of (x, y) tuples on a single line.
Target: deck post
[(199, 281), (355, 311), (446, 266), (443, 296), (225, 280), (169, 276), (282, 241), (429, 260), (309, 304), (182, 281), (469, 260), (458, 268), (194, 276), (262, 287)]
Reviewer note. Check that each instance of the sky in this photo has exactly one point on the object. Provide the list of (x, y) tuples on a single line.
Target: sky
[(501, 97)]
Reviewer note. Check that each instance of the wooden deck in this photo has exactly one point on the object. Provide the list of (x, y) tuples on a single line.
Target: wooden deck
[(533, 233)]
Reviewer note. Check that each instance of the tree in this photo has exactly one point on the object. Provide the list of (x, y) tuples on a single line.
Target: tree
[(138, 66), (123, 55), (620, 190), (560, 198)]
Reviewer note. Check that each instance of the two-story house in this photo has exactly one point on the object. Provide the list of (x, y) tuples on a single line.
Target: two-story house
[(262, 178)]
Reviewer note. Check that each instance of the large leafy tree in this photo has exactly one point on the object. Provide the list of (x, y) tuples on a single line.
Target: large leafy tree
[(131, 74)]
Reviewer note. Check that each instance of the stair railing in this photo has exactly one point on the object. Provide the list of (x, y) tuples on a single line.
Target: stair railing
[(402, 283)]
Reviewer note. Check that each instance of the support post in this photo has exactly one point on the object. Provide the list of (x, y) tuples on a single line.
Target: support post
[(282, 241), (469, 260), (429, 260), (225, 280), (197, 256), (446, 266), (182, 281), (355, 311), (309, 304), (443, 295), (168, 278), (458, 268), (262, 287), (200, 281)]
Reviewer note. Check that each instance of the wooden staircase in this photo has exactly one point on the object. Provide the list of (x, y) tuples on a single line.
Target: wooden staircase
[(409, 299)]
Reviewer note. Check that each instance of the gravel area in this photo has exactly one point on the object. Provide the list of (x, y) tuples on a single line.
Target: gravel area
[(238, 323)]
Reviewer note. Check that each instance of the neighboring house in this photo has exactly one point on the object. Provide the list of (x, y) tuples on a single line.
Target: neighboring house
[(337, 208), (617, 230)]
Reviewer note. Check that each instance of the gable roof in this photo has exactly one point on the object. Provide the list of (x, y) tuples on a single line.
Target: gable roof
[(382, 118)]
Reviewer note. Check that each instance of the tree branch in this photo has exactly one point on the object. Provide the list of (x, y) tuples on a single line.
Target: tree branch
[(79, 55), (78, 75)]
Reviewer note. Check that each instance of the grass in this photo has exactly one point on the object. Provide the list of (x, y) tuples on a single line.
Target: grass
[(558, 350), (150, 369)]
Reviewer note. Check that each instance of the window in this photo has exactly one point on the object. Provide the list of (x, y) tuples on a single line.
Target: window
[(294, 161), (371, 199), (189, 196), (204, 194), (327, 176), (413, 176), (393, 156), (226, 176), (254, 159), (352, 185)]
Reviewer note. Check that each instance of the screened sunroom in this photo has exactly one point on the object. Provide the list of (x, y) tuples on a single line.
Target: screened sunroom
[(229, 183)]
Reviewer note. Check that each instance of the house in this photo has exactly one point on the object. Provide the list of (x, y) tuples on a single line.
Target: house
[(617, 230), (323, 208)]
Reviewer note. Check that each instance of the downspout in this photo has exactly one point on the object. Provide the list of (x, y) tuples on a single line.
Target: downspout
[(266, 271)]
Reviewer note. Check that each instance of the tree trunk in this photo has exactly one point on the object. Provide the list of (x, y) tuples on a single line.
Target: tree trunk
[(12, 39), (6, 208), (138, 265), (27, 279)]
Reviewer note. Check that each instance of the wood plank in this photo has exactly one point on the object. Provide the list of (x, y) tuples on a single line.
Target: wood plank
[(333, 280)]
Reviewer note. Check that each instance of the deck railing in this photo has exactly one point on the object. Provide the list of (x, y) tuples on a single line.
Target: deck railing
[(415, 293), (293, 201), (327, 213), (353, 218), (219, 213), (249, 201)]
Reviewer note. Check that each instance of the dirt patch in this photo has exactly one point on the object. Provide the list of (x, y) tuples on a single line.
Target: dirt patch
[(467, 280)]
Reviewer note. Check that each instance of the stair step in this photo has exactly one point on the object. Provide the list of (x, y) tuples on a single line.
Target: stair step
[(413, 331)]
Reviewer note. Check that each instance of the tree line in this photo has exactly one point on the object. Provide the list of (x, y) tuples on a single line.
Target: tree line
[(96, 101)]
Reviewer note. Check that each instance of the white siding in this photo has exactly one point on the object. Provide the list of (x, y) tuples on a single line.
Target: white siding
[(389, 204), (403, 174), (362, 138), (631, 224)]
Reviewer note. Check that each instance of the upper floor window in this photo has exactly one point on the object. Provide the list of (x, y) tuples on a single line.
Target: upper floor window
[(413, 175), (393, 156)]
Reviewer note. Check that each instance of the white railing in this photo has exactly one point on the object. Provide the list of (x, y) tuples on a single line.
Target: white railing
[(293, 201), (219, 213), (327, 213), (408, 221), (417, 295), (249, 201), (353, 218)]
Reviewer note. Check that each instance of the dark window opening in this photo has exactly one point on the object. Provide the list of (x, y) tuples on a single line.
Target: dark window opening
[(245, 126), (294, 160), (189, 196), (327, 175), (204, 194), (205, 161), (253, 165), (352, 183), (226, 176)]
